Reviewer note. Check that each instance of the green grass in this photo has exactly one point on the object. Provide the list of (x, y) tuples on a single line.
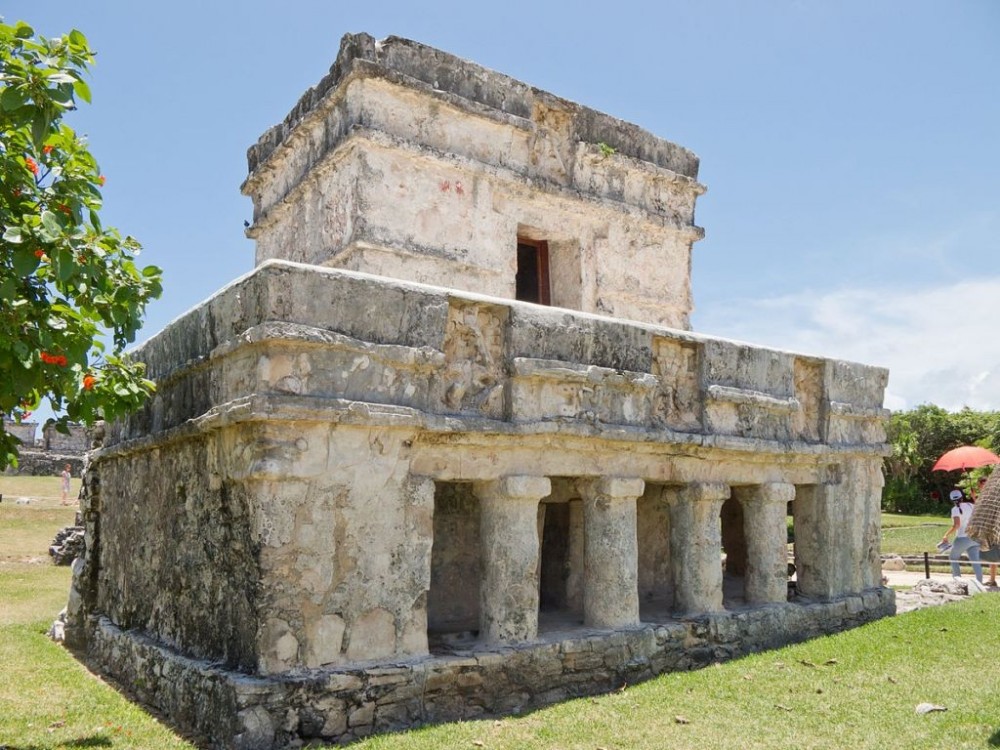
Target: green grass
[(898, 520), (852, 690), (46, 490)]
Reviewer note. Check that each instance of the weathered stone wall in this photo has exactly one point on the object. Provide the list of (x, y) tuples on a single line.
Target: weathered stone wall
[(25, 431), (77, 441), (399, 169), (36, 463), (178, 556), (346, 534), (341, 705), (309, 444), (453, 597)]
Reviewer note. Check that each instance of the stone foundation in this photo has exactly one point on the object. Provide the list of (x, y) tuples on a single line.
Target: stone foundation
[(237, 711)]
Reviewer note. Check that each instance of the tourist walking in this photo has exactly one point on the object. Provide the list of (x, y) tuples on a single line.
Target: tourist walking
[(960, 513), (66, 474)]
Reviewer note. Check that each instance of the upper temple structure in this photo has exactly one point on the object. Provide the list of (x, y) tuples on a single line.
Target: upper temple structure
[(451, 449)]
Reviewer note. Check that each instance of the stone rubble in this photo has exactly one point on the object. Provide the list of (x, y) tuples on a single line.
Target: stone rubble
[(67, 545), (935, 592)]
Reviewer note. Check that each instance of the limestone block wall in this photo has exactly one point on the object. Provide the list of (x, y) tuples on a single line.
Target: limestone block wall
[(313, 483), (178, 557), (409, 163), (77, 441), (25, 431)]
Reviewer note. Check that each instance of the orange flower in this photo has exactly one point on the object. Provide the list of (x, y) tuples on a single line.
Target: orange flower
[(32, 165), (53, 359), (47, 149), (101, 180), (88, 381), (39, 253)]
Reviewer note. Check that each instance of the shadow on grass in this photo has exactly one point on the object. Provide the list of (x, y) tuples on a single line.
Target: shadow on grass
[(93, 741), (994, 741)]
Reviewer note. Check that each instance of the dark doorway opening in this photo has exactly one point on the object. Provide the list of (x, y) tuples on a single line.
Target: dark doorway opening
[(532, 278)]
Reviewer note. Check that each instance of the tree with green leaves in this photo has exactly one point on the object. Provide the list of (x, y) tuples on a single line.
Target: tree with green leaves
[(918, 437), (69, 285)]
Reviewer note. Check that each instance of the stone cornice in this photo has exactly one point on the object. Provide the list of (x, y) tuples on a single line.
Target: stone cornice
[(469, 85)]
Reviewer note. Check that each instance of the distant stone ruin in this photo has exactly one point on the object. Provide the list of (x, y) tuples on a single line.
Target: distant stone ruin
[(451, 449), (48, 454)]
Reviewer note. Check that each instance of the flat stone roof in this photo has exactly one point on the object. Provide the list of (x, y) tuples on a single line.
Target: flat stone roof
[(415, 65)]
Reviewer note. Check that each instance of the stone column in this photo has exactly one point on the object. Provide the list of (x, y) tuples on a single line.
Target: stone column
[(508, 594), (696, 547), (611, 552), (765, 508), (837, 531), (821, 534)]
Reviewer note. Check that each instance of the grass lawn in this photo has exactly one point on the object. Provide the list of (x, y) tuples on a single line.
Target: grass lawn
[(852, 690), (912, 534)]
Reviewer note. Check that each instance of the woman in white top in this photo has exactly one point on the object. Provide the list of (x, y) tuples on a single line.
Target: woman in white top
[(960, 513)]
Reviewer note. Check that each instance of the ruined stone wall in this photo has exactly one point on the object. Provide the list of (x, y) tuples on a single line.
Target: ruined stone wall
[(453, 597), (344, 705), (25, 431), (284, 513), (389, 173), (77, 441), (178, 556)]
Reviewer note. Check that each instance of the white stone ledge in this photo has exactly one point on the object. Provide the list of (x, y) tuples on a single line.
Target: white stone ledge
[(742, 396), (472, 431), (277, 332), (570, 372)]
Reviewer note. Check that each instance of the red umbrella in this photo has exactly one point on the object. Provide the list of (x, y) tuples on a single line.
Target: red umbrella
[(966, 457)]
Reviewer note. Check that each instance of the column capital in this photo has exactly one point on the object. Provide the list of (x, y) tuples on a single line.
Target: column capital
[(778, 493), (611, 487), (703, 492), (515, 487)]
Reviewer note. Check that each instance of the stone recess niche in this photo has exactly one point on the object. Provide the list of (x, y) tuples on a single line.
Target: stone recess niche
[(359, 502)]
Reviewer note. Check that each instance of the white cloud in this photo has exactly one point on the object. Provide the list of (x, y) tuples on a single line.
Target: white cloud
[(941, 344)]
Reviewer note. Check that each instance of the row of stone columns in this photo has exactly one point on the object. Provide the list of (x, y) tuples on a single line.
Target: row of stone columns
[(510, 550)]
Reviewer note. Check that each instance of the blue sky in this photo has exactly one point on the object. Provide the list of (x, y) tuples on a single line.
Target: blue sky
[(851, 149)]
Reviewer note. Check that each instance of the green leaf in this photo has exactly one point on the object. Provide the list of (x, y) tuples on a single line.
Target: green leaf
[(76, 37), (8, 288), (40, 130), (25, 261), (82, 90), (23, 31), (12, 98), (151, 271), (14, 235), (51, 223)]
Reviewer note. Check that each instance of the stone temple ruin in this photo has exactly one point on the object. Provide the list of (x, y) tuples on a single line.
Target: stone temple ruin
[(450, 449)]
